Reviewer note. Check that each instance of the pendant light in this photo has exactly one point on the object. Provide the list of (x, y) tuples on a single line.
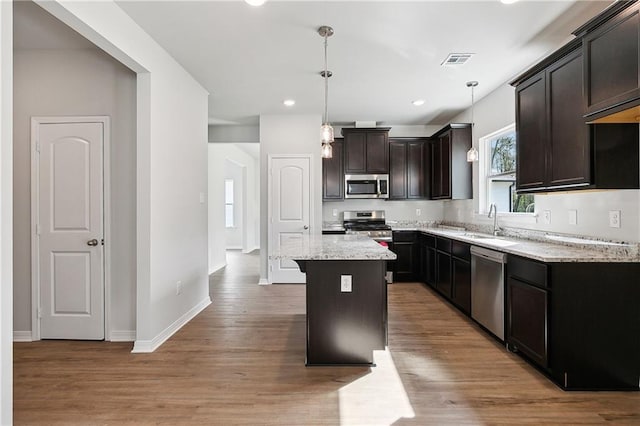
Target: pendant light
[(326, 131), (472, 154)]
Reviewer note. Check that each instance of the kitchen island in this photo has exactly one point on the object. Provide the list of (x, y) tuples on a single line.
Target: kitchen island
[(346, 297)]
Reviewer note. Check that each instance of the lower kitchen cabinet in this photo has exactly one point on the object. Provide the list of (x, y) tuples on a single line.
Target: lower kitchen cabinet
[(405, 246), (443, 272), (461, 276)]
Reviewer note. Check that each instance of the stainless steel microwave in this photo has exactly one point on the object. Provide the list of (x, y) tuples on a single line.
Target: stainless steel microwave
[(366, 186)]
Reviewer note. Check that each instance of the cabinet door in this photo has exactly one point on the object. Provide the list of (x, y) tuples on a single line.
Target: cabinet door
[(397, 170), (354, 152), (461, 284), (568, 133), (531, 128), (333, 174), (611, 55), (445, 165), (436, 176), (415, 170), (406, 252), (527, 319), (443, 278), (377, 152)]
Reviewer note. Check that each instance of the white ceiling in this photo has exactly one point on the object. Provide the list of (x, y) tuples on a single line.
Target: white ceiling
[(383, 54)]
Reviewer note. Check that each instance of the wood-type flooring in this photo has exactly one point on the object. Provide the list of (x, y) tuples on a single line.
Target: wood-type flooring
[(241, 361)]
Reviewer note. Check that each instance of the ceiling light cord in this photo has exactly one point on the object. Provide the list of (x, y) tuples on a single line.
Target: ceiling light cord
[(326, 81)]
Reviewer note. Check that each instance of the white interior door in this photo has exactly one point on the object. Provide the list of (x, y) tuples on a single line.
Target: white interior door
[(290, 211), (69, 229)]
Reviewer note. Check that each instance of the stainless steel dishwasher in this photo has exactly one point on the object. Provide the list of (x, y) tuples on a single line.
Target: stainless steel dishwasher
[(487, 289)]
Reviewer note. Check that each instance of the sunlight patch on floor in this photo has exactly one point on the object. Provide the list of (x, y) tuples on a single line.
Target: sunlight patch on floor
[(379, 398)]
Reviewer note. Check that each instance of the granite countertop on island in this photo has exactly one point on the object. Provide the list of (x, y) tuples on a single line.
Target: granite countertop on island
[(332, 247)]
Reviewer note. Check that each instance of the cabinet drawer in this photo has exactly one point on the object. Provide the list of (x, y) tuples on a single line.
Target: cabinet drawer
[(527, 270), (461, 250), (443, 244), (404, 236), (429, 240)]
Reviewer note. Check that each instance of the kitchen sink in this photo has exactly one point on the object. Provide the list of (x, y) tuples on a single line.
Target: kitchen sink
[(490, 239)]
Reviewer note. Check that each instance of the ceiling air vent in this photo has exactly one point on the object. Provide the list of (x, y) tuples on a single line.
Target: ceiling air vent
[(457, 58)]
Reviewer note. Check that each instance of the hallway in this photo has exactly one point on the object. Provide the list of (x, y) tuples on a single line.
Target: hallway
[(241, 361)]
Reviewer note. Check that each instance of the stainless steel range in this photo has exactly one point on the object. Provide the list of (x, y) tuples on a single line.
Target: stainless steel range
[(369, 222)]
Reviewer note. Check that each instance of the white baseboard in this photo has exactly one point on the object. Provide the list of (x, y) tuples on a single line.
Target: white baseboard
[(147, 346), (233, 248), (264, 281), (122, 336), (250, 249), (22, 336)]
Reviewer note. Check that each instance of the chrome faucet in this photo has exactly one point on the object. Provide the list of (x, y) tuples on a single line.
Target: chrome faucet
[(494, 209)]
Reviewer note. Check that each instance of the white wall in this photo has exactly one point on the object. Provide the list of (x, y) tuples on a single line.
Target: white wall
[(497, 110), (65, 83), (288, 134), (171, 208), (404, 210), (219, 154), (6, 225)]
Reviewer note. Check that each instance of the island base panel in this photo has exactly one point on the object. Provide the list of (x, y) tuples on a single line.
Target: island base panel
[(345, 327)]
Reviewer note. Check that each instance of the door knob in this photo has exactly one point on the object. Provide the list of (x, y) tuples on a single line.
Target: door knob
[(306, 227), (92, 243)]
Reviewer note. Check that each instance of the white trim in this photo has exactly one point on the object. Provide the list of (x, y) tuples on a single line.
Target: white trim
[(217, 267), (147, 346), (122, 335), (233, 247), (264, 281), (36, 121), (22, 336), (249, 250)]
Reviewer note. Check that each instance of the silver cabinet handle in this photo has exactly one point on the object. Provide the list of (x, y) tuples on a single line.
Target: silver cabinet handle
[(92, 243), (306, 227)]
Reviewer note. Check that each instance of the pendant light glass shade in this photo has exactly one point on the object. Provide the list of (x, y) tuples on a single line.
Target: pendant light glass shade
[(326, 131), (472, 154), (327, 150)]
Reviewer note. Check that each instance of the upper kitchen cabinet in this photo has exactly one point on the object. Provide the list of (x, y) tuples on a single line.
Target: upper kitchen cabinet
[(555, 148), (450, 171), (366, 150), (611, 46), (408, 168), (333, 174)]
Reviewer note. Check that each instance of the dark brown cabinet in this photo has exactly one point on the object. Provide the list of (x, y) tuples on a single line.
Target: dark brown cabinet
[(443, 266), (405, 246), (366, 150), (461, 276), (450, 171), (333, 174), (527, 309), (611, 46), (556, 149), (408, 168)]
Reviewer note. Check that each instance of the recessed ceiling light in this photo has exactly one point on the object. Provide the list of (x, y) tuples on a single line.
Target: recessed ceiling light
[(289, 102), (508, 1), (255, 2), (418, 102)]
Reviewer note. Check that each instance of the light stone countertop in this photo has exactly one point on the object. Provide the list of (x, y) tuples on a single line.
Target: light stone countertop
[(558, 249), (332, 247)]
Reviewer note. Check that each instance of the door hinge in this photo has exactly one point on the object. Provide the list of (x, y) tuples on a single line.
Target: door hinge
[(39, 313), (38, 147), (102, 241), (37, 229)]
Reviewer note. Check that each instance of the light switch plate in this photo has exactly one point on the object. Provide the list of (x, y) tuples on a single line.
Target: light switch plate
[(202, 198), (345, 283), (335, 212), (546, 217), (614, 218), (418, 212), (573, 217)]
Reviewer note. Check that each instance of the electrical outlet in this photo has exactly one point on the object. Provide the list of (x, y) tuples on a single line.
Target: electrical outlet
[(614, 218), (345, 283), (202, 198), (418, 212), (335, 212), (178, 288), (573, 217), (546, 217)]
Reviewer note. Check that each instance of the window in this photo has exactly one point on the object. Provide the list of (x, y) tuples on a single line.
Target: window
[(228, 203), (498, 164)]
